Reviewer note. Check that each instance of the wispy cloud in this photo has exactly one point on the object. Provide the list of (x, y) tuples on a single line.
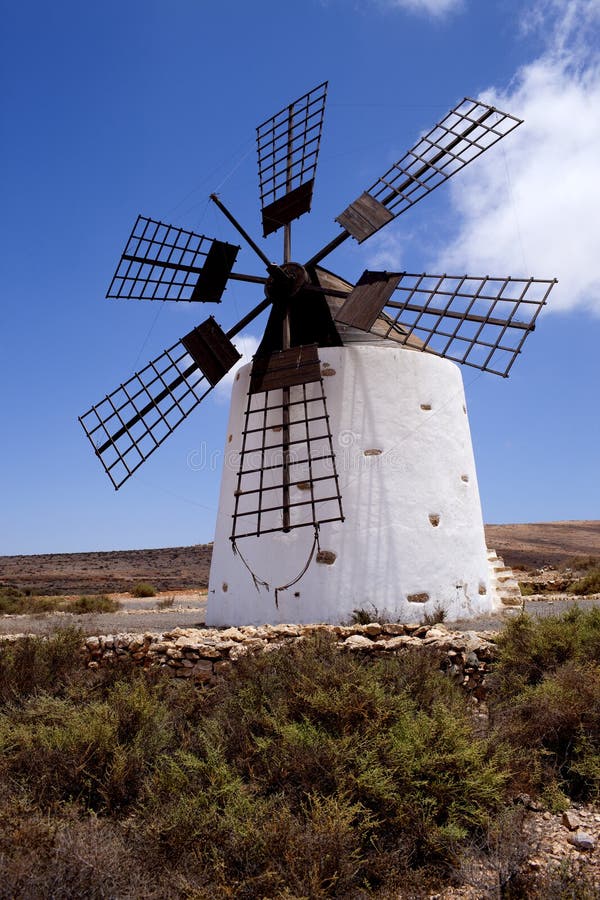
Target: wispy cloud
[(436, 8), (247, 344), (532, 204)]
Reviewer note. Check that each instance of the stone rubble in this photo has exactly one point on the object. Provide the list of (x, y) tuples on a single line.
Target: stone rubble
[(204, 653)]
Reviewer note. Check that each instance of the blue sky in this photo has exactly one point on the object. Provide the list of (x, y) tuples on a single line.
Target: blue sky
[(120, 108)]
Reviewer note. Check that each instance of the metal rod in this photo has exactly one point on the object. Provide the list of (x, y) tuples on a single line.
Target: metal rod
[(253, 279), (411, 178), (285, 412), (242, 231), (329, 248), (180, 379)]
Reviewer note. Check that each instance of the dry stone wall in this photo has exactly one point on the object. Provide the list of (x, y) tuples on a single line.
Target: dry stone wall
[(204, 653)]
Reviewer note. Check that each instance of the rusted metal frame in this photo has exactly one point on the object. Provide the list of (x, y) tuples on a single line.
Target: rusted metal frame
[(265, 259), (280, 156), (294, 462), (154, 401), (452, 314), (502, 373), (437, 157), (468, 278), (262, 462), (147, 429), (295, 422), (461, 316), (395, 191), (443, 313), (280, 405), (240, 473), (285, 411), (125, 277), (508, 324), (311, 478), (334, 466), (277, 487), (263, 133), (394, 323), (293, 442), (292, 527), (489, 320), (540, 304), (153, 264), (182, 285), (278, 177), (293, 505)]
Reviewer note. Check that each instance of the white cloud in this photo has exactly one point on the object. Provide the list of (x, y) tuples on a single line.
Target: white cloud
[(435, 8), (532, 204), (247, 344)]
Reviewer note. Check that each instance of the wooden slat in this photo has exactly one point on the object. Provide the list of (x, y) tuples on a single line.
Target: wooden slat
[(211, 350), (365, 303), (298, 365), (215, 272), (364, 217), (290, 206)]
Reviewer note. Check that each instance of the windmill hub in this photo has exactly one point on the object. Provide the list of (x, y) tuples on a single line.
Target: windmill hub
[(286, 281)]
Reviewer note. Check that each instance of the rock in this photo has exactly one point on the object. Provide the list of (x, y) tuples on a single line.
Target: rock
[(373, 629), (570, 820), (393, 628), (582, 840), (358, 642), (403, 640)]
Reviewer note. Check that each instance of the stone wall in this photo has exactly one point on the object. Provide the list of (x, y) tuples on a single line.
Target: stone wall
[(203, 653)]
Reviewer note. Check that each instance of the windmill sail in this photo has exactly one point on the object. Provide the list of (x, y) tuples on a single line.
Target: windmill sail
[(128, 425), (465, 133), (162, 262), (287, 476), (288, 148), (477, 321)]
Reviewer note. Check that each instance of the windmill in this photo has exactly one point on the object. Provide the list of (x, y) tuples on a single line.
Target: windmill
[(349, 476)]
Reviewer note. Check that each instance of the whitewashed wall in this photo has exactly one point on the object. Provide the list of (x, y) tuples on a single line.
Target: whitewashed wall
[(413, 525)]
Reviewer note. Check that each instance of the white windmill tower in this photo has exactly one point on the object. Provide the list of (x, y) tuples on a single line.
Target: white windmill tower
[(349, 478)]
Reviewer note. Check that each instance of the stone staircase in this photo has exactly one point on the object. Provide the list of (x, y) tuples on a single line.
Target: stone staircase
[(504, 586)]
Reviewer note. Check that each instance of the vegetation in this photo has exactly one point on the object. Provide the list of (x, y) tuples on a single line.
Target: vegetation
[(305, 772), (96, 603), (16, 602), (165, 603), (545, 702), (143, 589), (588, 584)]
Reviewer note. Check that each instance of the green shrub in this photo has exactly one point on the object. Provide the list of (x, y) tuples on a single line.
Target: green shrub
[(96, 603), (16, 602), (33, 664), (143, 589), (589, 584), (545, 701)]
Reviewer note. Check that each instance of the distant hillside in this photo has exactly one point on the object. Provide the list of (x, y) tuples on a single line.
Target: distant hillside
[(538, 544), (180, 568)]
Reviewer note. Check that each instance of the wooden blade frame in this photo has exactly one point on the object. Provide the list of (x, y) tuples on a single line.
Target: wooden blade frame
[(476, 321), (288, 148), (465, 133), (289, 482), (162, 262)]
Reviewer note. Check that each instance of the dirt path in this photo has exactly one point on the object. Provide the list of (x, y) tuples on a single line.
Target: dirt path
[(189, 610)]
